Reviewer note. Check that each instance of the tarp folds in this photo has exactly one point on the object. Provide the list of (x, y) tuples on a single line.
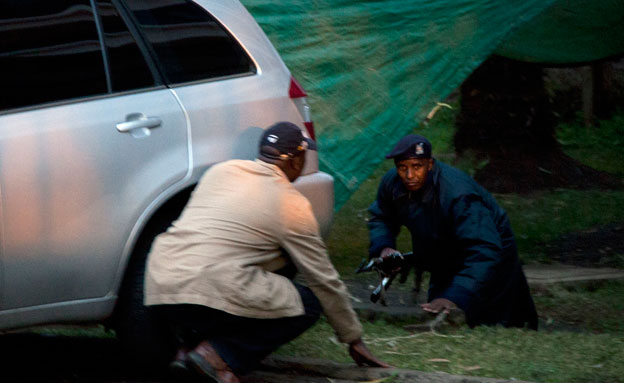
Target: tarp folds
[(373, 69), (570, 31)]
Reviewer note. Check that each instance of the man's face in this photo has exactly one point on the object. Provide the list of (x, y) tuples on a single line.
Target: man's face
[(413, 172)]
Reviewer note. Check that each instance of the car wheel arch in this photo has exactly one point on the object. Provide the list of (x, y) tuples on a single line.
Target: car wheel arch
[(134, 324)]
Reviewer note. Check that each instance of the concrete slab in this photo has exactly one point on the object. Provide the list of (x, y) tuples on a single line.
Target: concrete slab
[(543, 274), (282, 369), (402, 305)]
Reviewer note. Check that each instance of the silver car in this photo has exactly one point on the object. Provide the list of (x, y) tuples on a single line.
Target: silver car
[(110, 111)]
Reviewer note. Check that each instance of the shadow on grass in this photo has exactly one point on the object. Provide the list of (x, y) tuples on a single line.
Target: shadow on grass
[(35, 357)]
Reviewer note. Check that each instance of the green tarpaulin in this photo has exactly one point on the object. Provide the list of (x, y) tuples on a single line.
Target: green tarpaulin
[(374, 69)]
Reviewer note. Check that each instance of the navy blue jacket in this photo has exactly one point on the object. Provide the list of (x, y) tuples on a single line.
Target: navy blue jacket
[(463, 238)]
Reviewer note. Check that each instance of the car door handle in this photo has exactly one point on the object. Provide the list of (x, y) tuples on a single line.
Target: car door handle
[(138, 121)]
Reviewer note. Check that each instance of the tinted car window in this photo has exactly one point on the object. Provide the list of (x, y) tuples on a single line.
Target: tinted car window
[(189, 43), (49, 50), (126, 64)]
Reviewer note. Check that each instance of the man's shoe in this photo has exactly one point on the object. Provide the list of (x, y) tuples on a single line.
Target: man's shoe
[(205, 359), (179, 366)]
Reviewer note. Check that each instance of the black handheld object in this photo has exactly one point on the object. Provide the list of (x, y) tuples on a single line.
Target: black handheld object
[(387, 267)]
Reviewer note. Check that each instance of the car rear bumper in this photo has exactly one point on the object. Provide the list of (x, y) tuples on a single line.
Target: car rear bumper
[(318, 188)]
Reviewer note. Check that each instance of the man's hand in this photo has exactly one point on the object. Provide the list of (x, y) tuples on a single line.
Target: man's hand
[(384, 255), (361, 355), (387, 251), (439, 304)]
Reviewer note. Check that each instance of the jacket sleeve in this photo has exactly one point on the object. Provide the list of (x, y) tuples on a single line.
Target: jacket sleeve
[(383, 227), (307, 251), (479, 245)]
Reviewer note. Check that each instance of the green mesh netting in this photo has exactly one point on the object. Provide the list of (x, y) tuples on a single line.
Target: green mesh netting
[(570, 31), (374, 69)]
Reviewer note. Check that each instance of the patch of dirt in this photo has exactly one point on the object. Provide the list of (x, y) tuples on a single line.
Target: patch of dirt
[(597, 247), (512, 172)]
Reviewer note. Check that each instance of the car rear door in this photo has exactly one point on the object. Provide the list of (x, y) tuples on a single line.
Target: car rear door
[(230, 90), (88, 139)]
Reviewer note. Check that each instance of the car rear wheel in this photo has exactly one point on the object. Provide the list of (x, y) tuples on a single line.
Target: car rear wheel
[(146, 341), (143, 337)]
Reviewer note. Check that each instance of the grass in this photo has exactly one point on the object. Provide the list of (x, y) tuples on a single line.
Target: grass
[(545, 216), (595, 146), (581, 338), (86, 331), (594, 307)]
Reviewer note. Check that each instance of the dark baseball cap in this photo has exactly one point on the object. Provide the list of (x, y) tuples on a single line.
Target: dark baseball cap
[(287, 138), (411, 146)]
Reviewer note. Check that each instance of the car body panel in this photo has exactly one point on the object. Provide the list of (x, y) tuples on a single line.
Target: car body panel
[(73, 186)]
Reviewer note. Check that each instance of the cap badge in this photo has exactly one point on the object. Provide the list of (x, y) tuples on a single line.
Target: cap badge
[(419, 149), (272, 138)]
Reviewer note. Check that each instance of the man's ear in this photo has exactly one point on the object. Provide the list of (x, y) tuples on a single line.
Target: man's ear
[(431, 160), (298, 162)]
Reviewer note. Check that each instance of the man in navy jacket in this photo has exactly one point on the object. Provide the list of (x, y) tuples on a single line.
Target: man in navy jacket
[(459, 234)]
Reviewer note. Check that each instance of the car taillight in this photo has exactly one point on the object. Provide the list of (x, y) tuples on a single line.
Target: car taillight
[(310, 127), (299, 95), (296, 90)]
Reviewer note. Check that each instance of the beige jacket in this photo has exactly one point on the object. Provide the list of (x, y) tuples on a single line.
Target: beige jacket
[(220, 252)]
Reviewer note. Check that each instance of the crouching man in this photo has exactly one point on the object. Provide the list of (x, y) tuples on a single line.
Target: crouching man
[(220, 274), (459, 233)]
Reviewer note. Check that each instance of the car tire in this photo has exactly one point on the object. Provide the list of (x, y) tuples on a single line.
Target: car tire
[(146, 341)]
